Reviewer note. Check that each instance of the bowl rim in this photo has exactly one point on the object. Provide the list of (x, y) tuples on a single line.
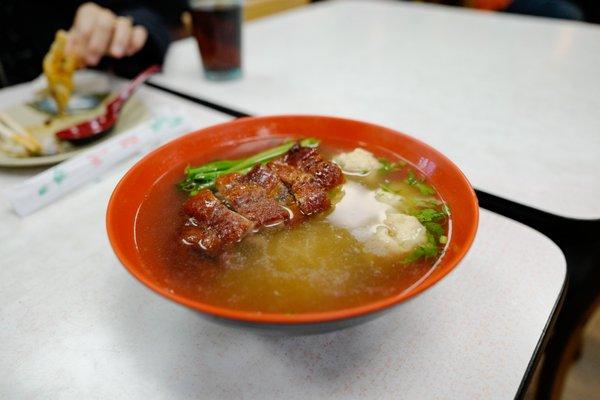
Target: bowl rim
[(296, 318)]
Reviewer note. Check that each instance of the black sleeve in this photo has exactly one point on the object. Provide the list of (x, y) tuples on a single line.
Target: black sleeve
[(157, 17)]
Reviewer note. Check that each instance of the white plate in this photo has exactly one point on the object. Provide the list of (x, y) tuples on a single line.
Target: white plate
[(134, 112)]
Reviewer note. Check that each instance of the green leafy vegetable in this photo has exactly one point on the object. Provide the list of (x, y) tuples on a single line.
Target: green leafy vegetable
[(425, 189), (427, 250), (422, 187), (386, 188), (204, 176), (430, 214), (432, 220), (411, 179), (434, 228), (310, 142), (388, 166)]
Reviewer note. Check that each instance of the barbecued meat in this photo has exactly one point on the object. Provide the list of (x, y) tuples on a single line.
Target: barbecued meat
[(289, 189), (251, 199), (326, 173), (309, 195), (214, 227), (309, 176), (269, 180)]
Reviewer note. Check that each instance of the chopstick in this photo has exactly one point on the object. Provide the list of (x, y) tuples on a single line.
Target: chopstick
[(11, 129), (12, 136)]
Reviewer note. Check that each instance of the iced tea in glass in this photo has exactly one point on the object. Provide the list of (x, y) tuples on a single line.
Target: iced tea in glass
[(217, 26)]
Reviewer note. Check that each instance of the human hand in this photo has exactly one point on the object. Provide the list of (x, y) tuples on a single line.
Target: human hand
[(98, 32)]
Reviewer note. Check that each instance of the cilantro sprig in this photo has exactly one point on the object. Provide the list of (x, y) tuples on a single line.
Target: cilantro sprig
[(431, 212), (389, 166), (424, 188), (432, 219), (427, 250)]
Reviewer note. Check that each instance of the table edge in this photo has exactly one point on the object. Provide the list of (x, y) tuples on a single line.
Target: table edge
[(543, 340)]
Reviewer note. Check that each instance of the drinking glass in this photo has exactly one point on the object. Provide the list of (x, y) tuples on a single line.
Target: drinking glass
[(217, 26)]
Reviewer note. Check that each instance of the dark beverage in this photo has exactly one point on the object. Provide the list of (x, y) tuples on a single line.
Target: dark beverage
[(218, 32)]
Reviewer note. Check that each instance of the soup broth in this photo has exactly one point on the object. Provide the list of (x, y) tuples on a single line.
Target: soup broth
[(326, 262)]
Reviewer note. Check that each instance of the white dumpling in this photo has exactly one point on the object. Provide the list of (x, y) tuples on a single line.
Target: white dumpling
[(357, 161), (399, 234), (392, 199)]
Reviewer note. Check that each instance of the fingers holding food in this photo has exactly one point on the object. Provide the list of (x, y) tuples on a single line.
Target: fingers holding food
[(98, 32), (138, 39), (121, 37), (99, 40)]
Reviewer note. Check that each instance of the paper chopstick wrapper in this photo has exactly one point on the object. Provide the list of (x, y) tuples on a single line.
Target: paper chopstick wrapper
[(50, 185)]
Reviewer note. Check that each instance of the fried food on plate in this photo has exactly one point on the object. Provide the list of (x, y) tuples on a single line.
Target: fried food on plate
[(59, 68)]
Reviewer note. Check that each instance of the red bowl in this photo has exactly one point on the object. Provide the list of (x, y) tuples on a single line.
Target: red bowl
[(206, 144)]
